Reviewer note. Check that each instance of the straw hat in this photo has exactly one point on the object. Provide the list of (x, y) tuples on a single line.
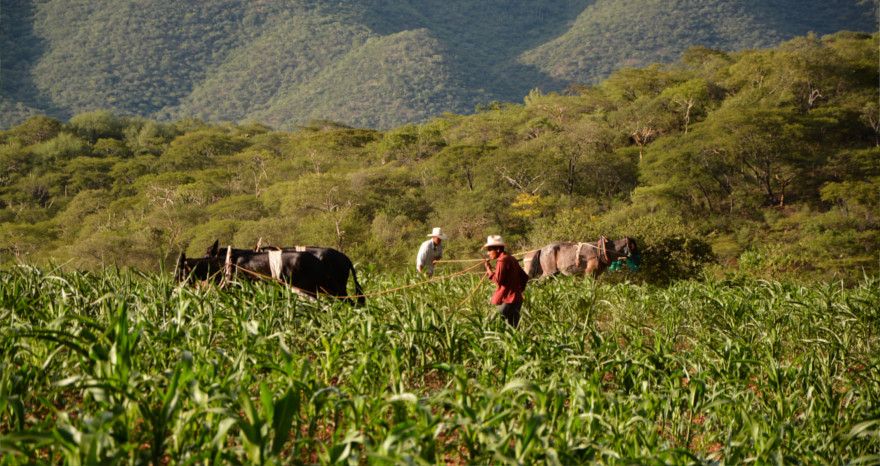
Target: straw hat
[(436, 232), (494, 240)]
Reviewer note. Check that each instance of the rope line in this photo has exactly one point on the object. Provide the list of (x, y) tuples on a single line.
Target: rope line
[(441, 261), (466, 271), (450, 261), (296, 289), (470, 294)]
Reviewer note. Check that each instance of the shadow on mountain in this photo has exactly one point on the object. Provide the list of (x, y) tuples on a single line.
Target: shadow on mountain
[(487, 36), (21, 50)]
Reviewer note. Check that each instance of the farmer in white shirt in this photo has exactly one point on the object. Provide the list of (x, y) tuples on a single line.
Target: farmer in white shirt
[(430, 251)]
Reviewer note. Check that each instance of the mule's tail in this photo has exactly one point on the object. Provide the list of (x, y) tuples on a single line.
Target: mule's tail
[(361, 299), (533, 264)]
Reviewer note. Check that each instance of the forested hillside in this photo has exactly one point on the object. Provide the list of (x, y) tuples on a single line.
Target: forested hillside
[(763, 162), (374, 63)]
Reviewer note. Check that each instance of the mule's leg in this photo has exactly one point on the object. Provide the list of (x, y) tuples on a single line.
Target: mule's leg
[(592, 268)]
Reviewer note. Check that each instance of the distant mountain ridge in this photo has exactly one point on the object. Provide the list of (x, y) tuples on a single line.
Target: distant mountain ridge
[(374, 63)]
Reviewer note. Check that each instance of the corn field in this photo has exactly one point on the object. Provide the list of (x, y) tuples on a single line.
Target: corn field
[(127, 368)]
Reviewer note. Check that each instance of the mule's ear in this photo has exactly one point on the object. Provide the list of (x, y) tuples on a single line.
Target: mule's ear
[(212, 251)]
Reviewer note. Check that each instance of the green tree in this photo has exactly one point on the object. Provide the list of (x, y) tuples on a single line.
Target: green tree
[(85, 203), (237, 207), (393, 191), (25, 242), (148, 137), (757, 153), (62, 147), (690, 99), (201, 236), (88, 173), (126, 172), (584, 161), (34, 130), (111, 148), (853, 186), (200, 149), (324, 206), (455, 166), (16, 161), (98, 124)]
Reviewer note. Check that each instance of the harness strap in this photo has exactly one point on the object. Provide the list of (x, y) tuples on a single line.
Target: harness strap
[(227, 265), (275, 263), (577, 256)]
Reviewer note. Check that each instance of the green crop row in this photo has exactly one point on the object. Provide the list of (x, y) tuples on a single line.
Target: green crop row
[(124, 368)]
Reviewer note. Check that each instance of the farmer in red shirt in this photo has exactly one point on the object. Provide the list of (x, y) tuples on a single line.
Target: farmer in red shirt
[(510, 278)]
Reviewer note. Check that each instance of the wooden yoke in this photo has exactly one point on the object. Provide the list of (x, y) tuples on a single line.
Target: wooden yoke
[(227, 266)]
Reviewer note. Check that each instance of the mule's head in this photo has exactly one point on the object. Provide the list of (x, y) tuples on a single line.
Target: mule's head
[(625, 247), (628, 249), (198, 269)]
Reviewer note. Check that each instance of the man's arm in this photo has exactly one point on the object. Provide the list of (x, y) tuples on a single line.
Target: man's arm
[(502, 271)]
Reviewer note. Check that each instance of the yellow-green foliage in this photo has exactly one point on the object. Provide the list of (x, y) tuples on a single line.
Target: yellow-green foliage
[(769, 156)]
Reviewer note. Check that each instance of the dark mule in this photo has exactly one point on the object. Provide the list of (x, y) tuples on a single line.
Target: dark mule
[(300, 270), (335, 264), (570, 258), (339, 265)]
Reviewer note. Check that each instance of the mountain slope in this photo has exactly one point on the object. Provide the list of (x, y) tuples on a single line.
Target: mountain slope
[(138, 56), (286, 62), (407, 71), (286, 54), (611, 34)]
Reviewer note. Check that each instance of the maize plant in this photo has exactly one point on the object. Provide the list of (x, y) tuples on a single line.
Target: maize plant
[(127, 368)]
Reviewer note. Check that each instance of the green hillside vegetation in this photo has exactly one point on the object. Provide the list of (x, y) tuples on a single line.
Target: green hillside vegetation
[(290, 52), (633, 33), (402, 71), (761, 162), (286, 63)]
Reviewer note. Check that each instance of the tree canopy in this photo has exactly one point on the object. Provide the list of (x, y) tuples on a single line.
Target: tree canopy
[(763, 160)]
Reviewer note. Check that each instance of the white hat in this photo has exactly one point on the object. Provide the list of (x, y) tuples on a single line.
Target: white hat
[(436, 232), (494, 240)]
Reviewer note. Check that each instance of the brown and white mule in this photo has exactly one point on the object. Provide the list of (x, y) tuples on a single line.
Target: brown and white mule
[(569, 258)]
